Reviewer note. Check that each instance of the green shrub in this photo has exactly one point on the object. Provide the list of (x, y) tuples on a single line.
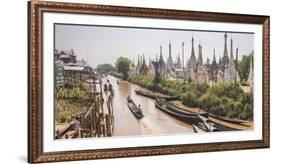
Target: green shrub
[(246, 98), (63, 119), (189, 99), (218, 110), (247, 112), (226, 90), (208, 100), (244, 83)]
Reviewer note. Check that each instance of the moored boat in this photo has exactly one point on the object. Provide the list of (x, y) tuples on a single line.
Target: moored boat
[(196, 129), (143, 93), (205, 123), (154, 96), (226, 119), (134, 108), (181, 116), (170, 98), (180, 110)]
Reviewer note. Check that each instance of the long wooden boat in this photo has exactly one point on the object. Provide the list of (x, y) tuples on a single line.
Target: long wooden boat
[(154, 96), (196, 129), (180, 110), (143, 93), (134, 108), (180, 116), (208, 125), (202, 121), (204, 117), (226, 119), (170, 98)]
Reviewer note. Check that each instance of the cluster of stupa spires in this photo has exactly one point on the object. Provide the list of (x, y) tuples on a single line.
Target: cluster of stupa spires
[(195, 70)]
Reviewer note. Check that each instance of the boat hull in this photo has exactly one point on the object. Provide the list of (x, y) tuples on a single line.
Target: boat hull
[(182, 111), (150, 95), (233, 121), (185, 118), (134, 109)]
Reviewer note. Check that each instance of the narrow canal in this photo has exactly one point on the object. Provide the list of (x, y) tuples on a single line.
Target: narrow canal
[(154, 121)]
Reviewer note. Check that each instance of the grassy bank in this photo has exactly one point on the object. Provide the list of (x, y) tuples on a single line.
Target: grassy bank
[(223, 99), (65, 108), (71, 99)]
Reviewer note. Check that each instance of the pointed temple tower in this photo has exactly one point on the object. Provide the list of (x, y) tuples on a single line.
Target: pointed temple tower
[(200, 57), (202, 74), (144, 68), (213, 69), (237, 52), (170, 63), (251, 77), (151, 69), (225, 58), (138, 66), (230, 73), (192, 61), (178, 63), (162, 65), (191, 65)]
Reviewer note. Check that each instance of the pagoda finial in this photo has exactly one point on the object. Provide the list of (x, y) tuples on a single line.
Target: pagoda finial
[(231, 49), (156, 57), (161, 57), (237, 50), (192, 49), (200, 57), (170, 49), (225, 52), (142, 58), (214, 56)]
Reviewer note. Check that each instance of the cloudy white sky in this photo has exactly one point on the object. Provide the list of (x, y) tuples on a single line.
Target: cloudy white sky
[(101, 44)]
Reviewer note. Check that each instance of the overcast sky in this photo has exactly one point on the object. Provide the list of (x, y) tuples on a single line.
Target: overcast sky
[(101, 45)]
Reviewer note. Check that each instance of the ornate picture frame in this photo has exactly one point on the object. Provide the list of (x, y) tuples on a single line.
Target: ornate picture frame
[(36, 11)]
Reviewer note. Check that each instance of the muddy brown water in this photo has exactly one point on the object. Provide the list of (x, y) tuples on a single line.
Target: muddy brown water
[(154, 121)]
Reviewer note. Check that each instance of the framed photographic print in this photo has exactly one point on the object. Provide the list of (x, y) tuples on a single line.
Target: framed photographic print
[(112, 81)]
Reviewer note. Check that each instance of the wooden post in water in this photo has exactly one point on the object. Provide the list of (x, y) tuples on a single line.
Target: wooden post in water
[(98, 129), (99, 118), (108, 126), (101, 94), (92, 122), (110, 116), (111, 107), (103, 130), (108, 107)]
